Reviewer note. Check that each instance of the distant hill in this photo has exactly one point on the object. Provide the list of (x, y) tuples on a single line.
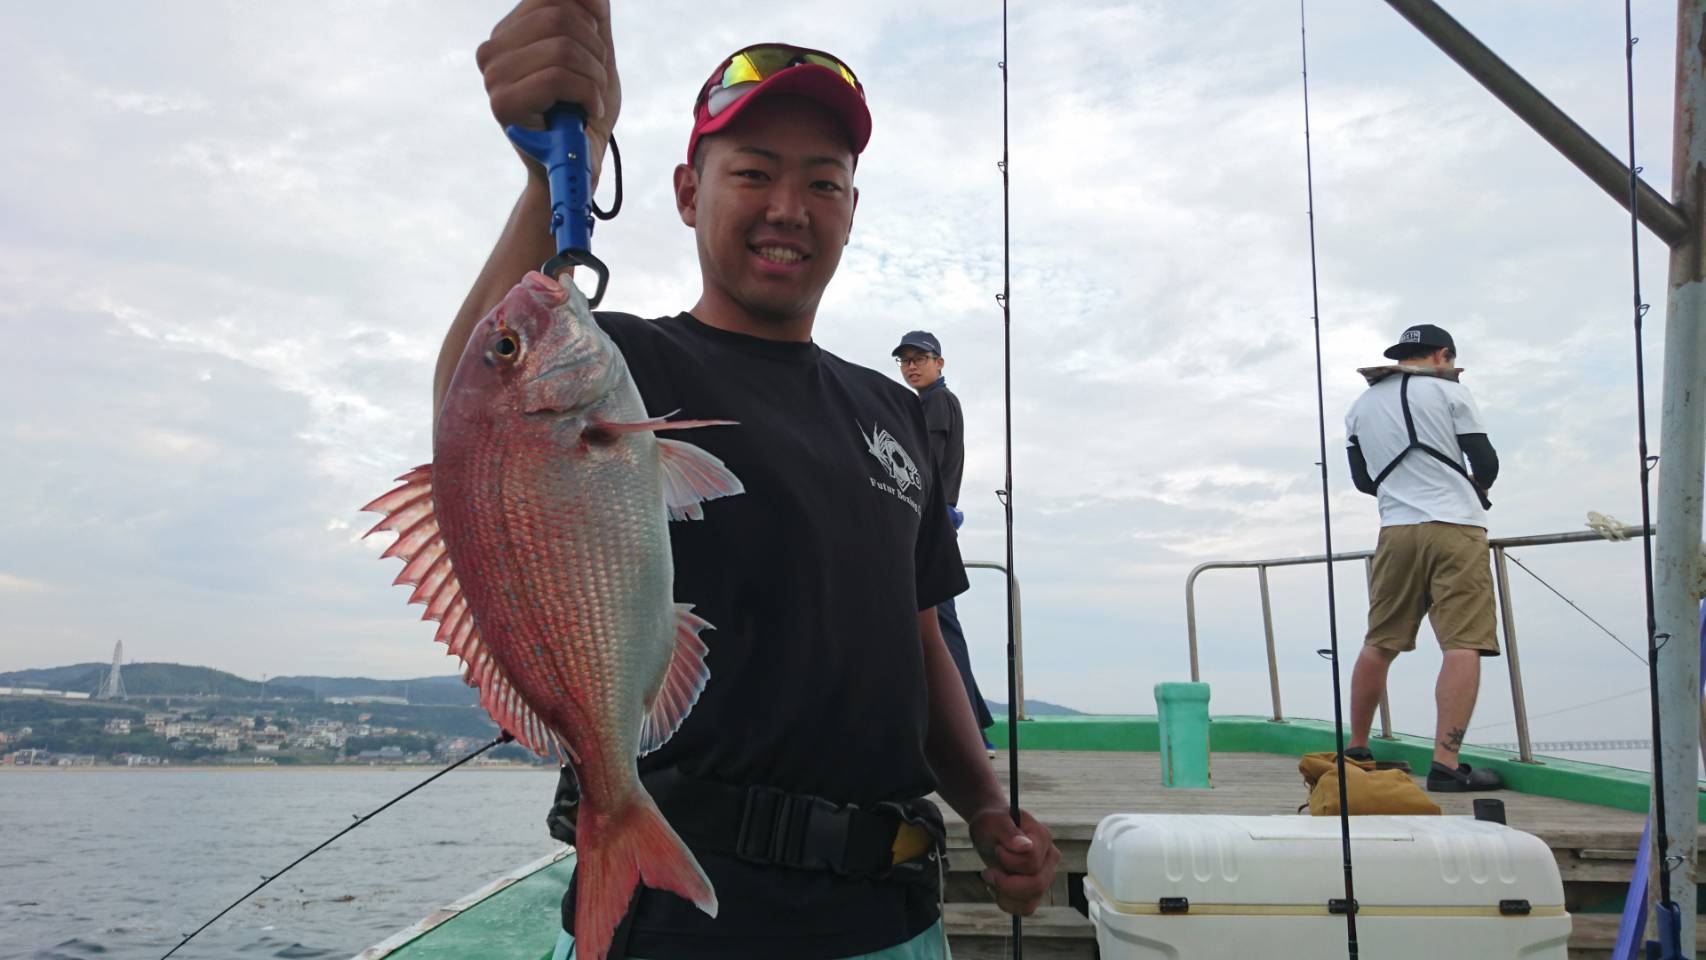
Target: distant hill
[(77, 677), (1036, 708), (153, 680), (428, 691), (172, 679)]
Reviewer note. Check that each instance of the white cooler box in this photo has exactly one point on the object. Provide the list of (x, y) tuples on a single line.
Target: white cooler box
[(1209, 887)]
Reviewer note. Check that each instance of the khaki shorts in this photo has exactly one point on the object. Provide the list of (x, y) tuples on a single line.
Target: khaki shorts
[(1439, 569)]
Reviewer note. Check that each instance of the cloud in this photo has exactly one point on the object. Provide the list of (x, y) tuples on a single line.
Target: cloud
[(233, 242), (14, 584)]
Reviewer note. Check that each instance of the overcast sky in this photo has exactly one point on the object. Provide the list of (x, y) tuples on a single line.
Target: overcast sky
[(231, 238)]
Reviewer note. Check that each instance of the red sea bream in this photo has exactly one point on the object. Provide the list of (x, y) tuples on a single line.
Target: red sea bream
[(538, 539)]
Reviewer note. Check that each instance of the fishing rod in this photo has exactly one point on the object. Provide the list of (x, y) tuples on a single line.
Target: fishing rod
[(1014, 706), (503, 737), (1667, 917), (1332, 653)]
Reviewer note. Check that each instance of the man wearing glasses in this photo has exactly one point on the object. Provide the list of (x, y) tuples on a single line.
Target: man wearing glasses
[(833, 707), (920, 358)]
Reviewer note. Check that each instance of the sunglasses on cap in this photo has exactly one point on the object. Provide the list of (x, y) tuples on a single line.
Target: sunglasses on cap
[(755, 64)]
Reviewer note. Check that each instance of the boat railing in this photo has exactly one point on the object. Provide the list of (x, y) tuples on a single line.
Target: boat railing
[(1507, 616), (1018, 696)]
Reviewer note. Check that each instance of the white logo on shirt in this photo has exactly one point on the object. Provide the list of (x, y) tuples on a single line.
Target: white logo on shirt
[(896, 462)]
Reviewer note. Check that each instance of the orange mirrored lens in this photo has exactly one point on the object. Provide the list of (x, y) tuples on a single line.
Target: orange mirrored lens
[(760, 63)]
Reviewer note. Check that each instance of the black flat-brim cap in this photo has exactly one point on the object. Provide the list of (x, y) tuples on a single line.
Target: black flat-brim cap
[(1422, 334)]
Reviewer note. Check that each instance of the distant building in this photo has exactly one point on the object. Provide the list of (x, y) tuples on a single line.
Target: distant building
[(226, 741), (118, 726)]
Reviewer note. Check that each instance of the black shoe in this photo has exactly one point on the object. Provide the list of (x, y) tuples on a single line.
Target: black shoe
[(1360, 754), (1443, 779)]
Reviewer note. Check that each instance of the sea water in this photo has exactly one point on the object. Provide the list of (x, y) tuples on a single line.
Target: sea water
[(101, 862)]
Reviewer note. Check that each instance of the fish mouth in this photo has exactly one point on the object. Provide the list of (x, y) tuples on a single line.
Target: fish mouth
[(546, 288)]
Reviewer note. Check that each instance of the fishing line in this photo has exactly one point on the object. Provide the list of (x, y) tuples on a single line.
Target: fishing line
[(1632, 651), (504, 737), (1482, 728), (1661, 838), (1014, 705), (1350, 904)]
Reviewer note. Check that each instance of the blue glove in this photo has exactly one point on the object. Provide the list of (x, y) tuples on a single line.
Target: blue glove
[(956, 516)]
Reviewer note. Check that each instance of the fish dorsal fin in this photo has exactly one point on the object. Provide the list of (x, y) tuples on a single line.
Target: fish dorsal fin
[(408, 512), (690, 477), (682, 683)]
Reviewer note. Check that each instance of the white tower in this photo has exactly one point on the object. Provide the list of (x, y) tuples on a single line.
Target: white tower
[(112, 688)]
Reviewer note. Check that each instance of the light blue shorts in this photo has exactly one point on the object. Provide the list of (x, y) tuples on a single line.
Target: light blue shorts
[(929, 945)]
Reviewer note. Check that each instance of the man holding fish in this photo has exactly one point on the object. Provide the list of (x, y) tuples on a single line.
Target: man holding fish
[(797, 704)]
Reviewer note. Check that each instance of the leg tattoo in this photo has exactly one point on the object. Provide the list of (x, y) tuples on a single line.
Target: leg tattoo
[(1453, 741)]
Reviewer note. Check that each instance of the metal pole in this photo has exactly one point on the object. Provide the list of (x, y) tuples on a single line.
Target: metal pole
[(1191, 620), (1268, 629), (1018, 631), (1682, 443), (1576, 144), (1524, 747)]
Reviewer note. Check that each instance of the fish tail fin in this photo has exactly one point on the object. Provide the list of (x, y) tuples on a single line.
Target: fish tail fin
[(635, 846)]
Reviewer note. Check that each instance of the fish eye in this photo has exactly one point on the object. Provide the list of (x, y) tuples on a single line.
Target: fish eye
[(506, 346)]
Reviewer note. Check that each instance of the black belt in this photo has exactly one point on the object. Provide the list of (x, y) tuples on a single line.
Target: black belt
[(772, 827)]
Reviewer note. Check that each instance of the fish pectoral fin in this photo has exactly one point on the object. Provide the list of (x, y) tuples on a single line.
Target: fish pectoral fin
[(409, 511), (682, 682), (690, 477)]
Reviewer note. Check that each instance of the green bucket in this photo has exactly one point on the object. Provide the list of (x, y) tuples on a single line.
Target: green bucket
[(1182, 712)]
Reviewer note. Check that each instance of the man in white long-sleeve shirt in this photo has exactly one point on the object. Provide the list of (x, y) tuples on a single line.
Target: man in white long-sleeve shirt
[(1408, 435)]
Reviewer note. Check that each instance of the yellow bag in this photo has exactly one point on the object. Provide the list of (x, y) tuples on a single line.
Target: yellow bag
[(1367, 790)]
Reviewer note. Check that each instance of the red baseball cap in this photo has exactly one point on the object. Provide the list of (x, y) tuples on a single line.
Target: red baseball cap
[(771, 68)]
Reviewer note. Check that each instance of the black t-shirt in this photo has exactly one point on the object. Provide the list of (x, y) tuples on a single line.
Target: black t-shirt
[(947, 426), (813, 579)]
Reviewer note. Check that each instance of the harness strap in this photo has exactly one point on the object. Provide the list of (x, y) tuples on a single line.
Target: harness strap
[(1417, 444)]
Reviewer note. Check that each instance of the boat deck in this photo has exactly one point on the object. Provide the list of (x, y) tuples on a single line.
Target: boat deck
[(1072, 790), (1078, 770)]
